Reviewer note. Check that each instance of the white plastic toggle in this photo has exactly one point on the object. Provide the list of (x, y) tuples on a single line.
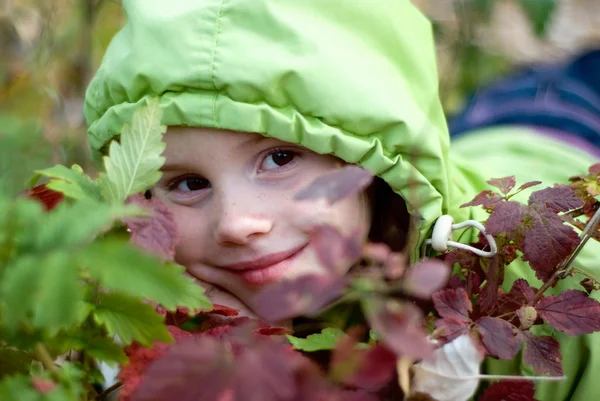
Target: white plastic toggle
[(441, 237), (442, 233)]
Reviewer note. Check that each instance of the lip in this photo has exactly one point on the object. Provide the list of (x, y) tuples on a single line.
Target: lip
[(265, 269)]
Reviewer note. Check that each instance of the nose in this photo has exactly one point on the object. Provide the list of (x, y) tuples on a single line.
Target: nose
[(238, 226)]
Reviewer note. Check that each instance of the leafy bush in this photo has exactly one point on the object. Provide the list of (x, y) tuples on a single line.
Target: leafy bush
[(91, 278)]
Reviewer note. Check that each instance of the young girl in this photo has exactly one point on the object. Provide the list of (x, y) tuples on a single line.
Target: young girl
[(262, 96)]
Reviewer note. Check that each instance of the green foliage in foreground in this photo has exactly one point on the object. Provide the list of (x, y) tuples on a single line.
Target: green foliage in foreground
[(71, 281)]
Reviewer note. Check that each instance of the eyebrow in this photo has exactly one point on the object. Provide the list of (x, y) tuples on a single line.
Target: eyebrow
[(251, 142)]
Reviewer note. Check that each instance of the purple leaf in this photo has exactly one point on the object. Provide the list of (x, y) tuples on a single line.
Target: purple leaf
[(559, 198), (334, 251), (504, 184), (510, 390), (303, 295), (157, 233), (529, 185), (486, 198), (337, 185), (572, 312), (506, 217), (453, 304), (452, 328), (542, 353), (400, 326), (498, 337), (426, 277), (547, 242)]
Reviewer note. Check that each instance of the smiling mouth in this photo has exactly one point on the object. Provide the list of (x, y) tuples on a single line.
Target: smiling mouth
[(266, 269)]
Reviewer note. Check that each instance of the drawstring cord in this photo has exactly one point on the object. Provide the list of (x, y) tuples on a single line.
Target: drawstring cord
[(442, 233)]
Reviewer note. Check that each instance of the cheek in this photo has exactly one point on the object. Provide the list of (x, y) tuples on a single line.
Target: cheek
[(191, 236)]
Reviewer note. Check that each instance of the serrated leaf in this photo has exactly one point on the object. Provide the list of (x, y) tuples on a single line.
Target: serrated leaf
[(572, 312), (133, 165), (42, 290), (130, 319), (506, 217), (498, 337), (542, 353), (101, 348), (486, 198), (548, 241), (338, 185), (559, 198), (325, 340), (120, 267), (529, 185), (48, 197), (504, 184), (453, 303), (73, 224), (73, 182)]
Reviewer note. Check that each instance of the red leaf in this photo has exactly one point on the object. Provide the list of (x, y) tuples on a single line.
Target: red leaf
[(400, 326), (426, 277), (303, 295), (572, 312), (594, 169), (529, 185), (542, 353), (157, 233), (494, 277), (43, 386), (486, 198), (559, 198), (453, 304), (509, 390), (49, 198), (521, 294), (504, 184), (369, 369), (338, 185), (273, 331), (506, 217), (498, 337), (335, 251), (255, 369), (547, 242), (452, 328)]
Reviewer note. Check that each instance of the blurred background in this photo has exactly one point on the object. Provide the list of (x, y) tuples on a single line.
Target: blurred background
[(49, 50)]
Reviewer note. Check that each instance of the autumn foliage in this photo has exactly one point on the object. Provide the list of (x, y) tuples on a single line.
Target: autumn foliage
[(97, 264)]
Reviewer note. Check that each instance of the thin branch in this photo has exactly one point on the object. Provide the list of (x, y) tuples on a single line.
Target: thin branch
[(42, 354)]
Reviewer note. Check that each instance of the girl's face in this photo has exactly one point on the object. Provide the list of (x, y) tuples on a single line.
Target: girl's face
[(232, 196)]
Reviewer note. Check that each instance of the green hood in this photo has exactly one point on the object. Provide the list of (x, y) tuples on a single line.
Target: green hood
[(353, 78)]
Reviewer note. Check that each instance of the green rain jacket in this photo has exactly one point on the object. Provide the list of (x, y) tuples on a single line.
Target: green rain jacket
[(354, 78)]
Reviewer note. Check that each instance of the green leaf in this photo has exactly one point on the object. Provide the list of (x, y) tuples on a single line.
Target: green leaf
[(325, 340), (14, 361), (121, 267), (130, 319), (18, 388), (98, 346), (73, 182), (133, 165), (539, 13), (45, 291), (73, 224)]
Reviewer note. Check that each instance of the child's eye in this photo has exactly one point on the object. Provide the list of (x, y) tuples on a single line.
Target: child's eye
[(190, 184), (278, 158)]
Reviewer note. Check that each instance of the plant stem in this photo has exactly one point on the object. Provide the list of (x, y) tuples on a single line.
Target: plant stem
[(42, 354), (564, 267), (109, 390)]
